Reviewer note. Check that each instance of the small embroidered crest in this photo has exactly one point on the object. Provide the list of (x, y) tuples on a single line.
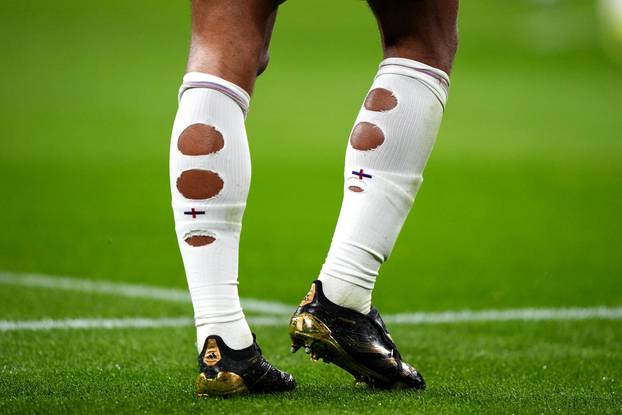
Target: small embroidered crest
[(361, 173), (194, 213)]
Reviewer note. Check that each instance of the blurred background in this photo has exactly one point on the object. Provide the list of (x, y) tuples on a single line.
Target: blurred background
[(522, 197), (520, 207)]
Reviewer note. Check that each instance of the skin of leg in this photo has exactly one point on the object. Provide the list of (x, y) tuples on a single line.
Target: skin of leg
[(230, 39), (422, 30)]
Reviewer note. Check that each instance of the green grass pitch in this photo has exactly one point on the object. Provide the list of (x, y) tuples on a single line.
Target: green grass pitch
[(520, 207)]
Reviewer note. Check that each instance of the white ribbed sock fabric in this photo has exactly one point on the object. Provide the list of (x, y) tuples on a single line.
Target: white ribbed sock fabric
[(388, 149), (210, 173)]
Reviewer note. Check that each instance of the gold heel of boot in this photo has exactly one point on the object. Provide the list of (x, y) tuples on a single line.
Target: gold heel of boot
[(309, 332), (307, 326), (223, 384)]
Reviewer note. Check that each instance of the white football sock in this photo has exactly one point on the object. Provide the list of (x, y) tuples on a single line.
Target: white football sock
[(387, 152), (210, 173)]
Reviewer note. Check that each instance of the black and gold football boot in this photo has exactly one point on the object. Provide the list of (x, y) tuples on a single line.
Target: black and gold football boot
[(224, 371), (358, 343)]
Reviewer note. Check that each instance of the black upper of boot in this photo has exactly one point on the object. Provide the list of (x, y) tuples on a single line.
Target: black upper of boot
[(365, 338)]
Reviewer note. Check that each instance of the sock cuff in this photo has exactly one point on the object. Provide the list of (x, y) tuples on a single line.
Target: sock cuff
[(228, 316), (203, 80), (433, 78)]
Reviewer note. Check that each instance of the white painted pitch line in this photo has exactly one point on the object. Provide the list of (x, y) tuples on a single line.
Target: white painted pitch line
[(94, 323), (268, 307), (130, 290), (519, 314), (434, 318), (119, 323)]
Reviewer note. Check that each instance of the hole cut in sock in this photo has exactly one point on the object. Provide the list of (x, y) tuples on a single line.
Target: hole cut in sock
[(380, 100), (199, 184), (366, 136), (198, 238), (200, 140)]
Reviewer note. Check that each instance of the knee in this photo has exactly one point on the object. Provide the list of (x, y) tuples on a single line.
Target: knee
[(422, 30), (438, 52)]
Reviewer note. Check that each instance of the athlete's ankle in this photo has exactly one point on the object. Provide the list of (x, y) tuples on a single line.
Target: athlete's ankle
[(236, 334), (346, 294)]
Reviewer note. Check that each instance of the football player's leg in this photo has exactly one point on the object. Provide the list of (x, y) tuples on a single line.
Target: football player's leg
[(421, 30), (230, 39), (390, 142), (210, 174), (387, 152)]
